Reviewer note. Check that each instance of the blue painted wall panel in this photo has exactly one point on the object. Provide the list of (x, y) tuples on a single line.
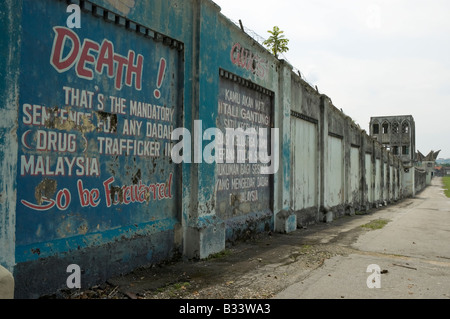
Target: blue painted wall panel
[(104, 174), (85, 192), (223, 46)]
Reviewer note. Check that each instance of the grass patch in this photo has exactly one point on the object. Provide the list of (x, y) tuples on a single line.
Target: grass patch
[(181, 285), (446, 180), (376, 224), (221, 254), (305, 249), (174, 290)]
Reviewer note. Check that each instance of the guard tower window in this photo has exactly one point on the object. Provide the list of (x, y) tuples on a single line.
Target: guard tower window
[(405, 128), (405, 150), (376, 129), (385, 128), (395, 150), (395, 128)]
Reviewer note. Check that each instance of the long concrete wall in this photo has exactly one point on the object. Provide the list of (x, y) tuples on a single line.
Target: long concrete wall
[(110, 139), (337, 168)]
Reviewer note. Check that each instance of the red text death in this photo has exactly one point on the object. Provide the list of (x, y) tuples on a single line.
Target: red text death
[(92, 57)]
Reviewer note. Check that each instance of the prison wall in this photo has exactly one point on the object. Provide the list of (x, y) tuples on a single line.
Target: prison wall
[(420, 180), (108, 137), (337, 168)]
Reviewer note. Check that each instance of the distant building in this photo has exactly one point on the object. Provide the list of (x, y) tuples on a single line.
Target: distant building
[(428, 164), (431, 157), (396, 133), (442, 171)]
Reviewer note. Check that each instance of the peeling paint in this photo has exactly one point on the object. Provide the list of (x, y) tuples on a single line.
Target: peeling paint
[(329, 166), (46, 189)]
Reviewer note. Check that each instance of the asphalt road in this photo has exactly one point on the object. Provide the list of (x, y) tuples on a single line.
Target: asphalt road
[(410, 256)]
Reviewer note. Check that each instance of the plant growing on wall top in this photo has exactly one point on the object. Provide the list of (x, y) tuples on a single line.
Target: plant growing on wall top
[(276, 43)]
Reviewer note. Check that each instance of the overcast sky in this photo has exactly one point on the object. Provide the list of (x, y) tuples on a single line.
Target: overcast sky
[(372, 58)]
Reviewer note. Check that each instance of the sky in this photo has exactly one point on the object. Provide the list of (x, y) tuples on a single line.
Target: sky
[(371, 57)]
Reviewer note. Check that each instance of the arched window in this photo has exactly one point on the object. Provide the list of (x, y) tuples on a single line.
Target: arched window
[(385, 127), (395, 128), (375, 128)]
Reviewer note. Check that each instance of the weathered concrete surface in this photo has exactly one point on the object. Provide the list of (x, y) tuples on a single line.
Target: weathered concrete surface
[(6, 284), (413, 249), (324, 260), (65, 194)]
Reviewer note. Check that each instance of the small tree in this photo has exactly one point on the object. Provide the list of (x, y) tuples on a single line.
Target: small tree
[(276, 43)]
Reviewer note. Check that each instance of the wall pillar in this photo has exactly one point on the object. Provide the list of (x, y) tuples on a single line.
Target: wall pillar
[(204, 232), (408, 181), (10, 32), (323, 135), (347, 161), (285, 220), (362, 168)]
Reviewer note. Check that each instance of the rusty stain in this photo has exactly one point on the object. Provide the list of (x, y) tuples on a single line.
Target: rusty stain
[(82, 229), (233, 199), (147, 196), (87, 125), (55, 122), (104, 116), (119, 191), (45, 189), (136, 177), (68, 124)]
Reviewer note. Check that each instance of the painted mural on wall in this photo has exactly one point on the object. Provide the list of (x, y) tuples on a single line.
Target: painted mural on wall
[(248, 60), (97, 108), (241, 188)]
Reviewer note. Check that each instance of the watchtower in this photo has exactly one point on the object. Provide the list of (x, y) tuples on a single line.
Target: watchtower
[(396, 133)]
